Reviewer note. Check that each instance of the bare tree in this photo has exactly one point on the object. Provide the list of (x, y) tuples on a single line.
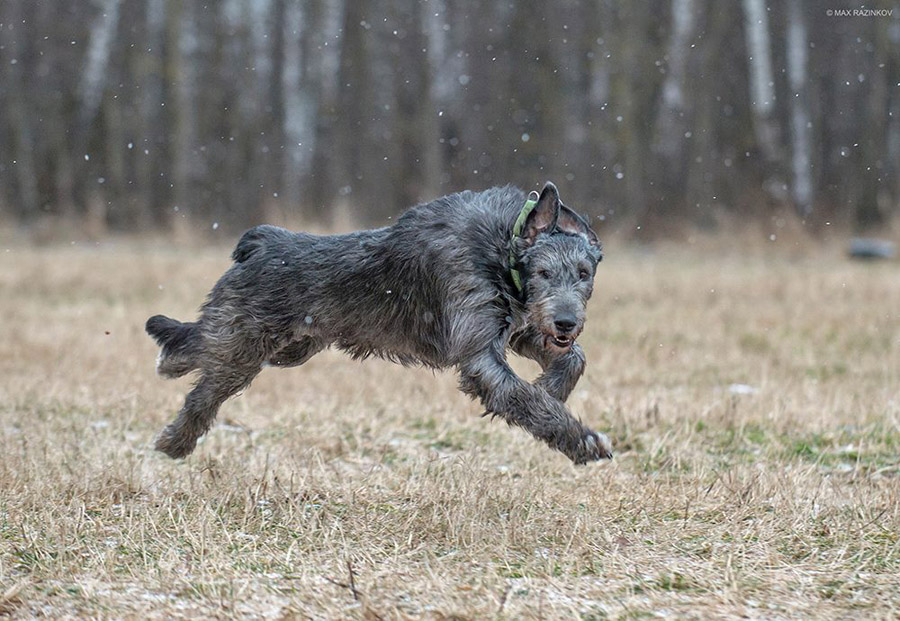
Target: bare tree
[(354, 103), (416, 120), (93, 76), (671, 120), (15, 40), (762, 84), (275, 107), (182, 64), (322, 51), (800, 141)]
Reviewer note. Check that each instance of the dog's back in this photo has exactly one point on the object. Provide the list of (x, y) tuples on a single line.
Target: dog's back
[(257, 239)]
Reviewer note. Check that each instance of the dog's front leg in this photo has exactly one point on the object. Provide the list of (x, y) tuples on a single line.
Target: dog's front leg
[(560, 371), (489, 377)]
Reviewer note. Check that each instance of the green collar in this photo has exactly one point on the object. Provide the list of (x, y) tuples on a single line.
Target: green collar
[(517, 232)]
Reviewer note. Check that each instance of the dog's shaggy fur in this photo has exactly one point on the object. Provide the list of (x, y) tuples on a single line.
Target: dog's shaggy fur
[(434, 289)]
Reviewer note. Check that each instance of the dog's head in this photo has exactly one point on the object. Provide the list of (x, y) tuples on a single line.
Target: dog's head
[(557, 255)]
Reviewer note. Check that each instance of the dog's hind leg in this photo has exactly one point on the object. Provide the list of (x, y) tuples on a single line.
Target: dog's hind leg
[(201, 405), (296, 353)]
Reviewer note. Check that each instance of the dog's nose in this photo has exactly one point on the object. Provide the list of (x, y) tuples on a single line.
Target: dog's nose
[(565, 323)]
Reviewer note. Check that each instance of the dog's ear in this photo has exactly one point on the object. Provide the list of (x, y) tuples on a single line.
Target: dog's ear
[(543, 217), (570, 222)]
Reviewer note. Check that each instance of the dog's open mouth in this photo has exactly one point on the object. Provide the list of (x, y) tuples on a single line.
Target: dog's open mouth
[(559, 341)]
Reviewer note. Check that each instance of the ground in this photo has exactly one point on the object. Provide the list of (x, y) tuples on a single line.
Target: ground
[(753, 399)]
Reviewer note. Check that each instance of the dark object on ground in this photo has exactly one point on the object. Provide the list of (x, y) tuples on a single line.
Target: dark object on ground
[(454, 283), (870, 249)]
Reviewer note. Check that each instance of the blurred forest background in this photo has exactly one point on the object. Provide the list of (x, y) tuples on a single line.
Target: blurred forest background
[(135, 114)]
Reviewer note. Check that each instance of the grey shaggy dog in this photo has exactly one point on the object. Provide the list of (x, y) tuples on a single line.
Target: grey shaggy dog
[(448, 285)]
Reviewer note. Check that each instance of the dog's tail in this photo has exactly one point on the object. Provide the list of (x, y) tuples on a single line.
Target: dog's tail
[(181, 345)]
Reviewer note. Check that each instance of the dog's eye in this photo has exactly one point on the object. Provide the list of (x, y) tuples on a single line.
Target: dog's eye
[(543, 273), (584, 274)]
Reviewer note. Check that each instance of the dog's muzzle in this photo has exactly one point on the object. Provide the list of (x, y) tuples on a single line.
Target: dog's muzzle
[(560, 342)]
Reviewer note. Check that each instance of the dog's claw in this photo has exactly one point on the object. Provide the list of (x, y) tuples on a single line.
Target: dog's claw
[(594, 447)]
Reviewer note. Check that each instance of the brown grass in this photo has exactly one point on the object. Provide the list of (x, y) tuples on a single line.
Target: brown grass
[(347, 490)]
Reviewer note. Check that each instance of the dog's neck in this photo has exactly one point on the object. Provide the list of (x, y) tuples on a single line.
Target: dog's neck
[(530, 202)]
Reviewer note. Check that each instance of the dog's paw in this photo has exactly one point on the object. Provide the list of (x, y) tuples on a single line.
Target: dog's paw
[(594, 446), (174, 444)]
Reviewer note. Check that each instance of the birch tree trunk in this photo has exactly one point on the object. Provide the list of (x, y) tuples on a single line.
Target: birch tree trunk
[(671, 124), (182, 63), (671, 121), (762, 84), (801, 188), (149, 148), (416, 126), (274, 172), (93, 77), (297, 97), (353, 101), (322, 69)]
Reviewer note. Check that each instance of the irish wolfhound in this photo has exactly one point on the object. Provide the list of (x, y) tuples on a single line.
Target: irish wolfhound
[(454, 283)]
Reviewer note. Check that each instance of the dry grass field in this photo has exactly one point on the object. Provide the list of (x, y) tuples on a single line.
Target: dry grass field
[(753, 399)]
